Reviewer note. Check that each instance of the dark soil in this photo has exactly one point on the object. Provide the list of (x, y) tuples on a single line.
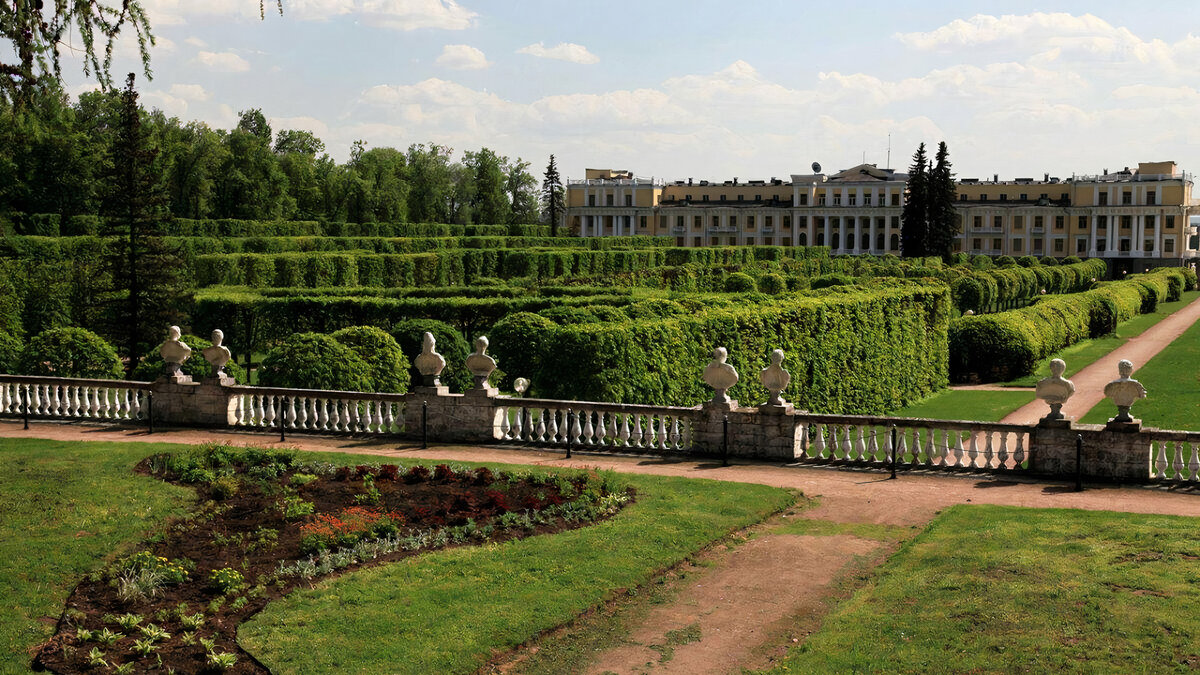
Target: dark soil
[(247, 532)]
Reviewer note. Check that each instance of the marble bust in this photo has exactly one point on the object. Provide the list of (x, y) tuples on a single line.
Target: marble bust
[(1124, 392), (174, 352), (429, 363), (217, 356), (720, 376), (775, 379), (1055, 390), (480, 364)]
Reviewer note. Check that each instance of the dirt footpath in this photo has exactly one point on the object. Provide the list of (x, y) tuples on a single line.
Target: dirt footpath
[(746, 598)]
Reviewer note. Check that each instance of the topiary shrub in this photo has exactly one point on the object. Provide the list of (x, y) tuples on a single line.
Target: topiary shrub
[(387, 365), (654, 308), (982, 262), (1005, 261), (314, 361), (1027, 261), (1071, 260), (968, 294), (771, 284), (827, 280), (739, 282), (1189, 278), (10, 353), (1049, 261), (450, 344), (71, 352), (563, 315), (518, 342), (151, 365)]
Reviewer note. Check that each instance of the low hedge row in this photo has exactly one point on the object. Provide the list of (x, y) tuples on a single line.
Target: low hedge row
[(1006, 345), (849, 351), (252, 322), (54, 225), (454, 266)]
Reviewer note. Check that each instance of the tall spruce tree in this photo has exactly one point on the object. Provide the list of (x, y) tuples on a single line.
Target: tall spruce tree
[(942, 219), (552, 197), (914, 218), (145, 291)]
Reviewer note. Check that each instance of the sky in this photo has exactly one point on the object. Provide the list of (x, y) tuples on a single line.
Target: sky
[(710, 90)]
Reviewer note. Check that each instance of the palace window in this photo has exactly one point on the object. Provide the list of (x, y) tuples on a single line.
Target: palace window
[(1101, 222), (962, 198), (741, 198), (1102, 199), (703, 198), (1018, 222), (697, 241), (1150, 195), (678, 221), (982, 197), (1059, 222), (821, 199), (1149, 220), (787, 221), (851, 199), (1082, 222), (749, 241), (976, 244), (1018, 245), (1169, 245), (1037, 221), (608, 199), (628, 200), (696, 222), (1148, 245), (1081, 245), (642, 222), (1123, 245), (997, 244), (591, 200), (998, 221), (716, 221), (1170, 222), (1024, 197), (837, 199), (1101, 245), (1126, 222), (895, 199), (1058, 245), (803, 199), (866, 200), (1126, 198), (768, 221), (977, 223), (1003, 197)]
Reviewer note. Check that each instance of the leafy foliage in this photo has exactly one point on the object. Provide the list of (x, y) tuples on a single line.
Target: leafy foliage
[(71, 352), (450, 344), (315, 361), (388, 368)]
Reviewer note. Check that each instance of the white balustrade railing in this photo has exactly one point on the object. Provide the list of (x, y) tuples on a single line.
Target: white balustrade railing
[(315, 410), (71, 398), (919, 443), (1174, 456), (583, 424)]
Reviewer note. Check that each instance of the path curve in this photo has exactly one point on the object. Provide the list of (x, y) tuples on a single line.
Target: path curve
[(1090, 381)]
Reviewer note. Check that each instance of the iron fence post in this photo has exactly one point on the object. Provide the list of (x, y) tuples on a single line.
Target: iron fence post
[(1079, 462), (570, 430), (892, 452), (424, 424), (725, 440), (25, 406), (282, 419)]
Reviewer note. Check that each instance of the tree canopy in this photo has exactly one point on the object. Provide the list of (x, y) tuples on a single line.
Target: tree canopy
[(929, 221)]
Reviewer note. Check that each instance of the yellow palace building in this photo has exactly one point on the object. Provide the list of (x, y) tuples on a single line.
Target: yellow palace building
[(1136, 215)]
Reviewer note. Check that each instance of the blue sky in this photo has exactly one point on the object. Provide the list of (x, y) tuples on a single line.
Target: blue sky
[(699, 89)]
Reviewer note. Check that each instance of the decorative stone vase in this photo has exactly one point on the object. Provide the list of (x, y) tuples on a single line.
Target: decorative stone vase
[(429, 363), (720, 376), (1055, 390), (1124, 392), (521, 385), (775, 379), (217, 356), (480, 364), (174, 352)]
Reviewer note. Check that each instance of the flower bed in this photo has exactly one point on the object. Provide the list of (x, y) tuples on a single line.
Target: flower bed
[(267, 523)]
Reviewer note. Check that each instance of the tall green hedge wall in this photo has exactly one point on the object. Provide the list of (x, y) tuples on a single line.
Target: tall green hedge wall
[(1003, 346), (849, 351), (54, 225)]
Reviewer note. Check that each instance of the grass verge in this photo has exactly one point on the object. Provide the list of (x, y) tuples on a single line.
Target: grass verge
[(449, 611), (1010, 589), (65, 508), (1173, 393), (974, 404)]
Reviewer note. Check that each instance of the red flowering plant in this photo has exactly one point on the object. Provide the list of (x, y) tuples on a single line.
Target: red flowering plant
[(326, 531)]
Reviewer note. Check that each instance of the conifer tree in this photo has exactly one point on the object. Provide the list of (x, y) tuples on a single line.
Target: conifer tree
[(942, 219), (552, 197), (914, 218), (144, 285)]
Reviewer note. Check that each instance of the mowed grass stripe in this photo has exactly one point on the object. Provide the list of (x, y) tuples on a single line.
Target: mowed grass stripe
[(993, 589)]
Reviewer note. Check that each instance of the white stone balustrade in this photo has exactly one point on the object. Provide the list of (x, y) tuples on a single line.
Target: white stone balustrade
[(652, 429), (318, 411), (68, 398)]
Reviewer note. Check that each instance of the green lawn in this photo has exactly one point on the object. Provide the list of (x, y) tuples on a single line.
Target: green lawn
[(980, 405), (66, 507), (1087, 352), (989, 589), (1172, 387)]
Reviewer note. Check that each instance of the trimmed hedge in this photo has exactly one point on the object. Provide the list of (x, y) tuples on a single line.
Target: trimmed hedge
[(10, 353), (71, 352), (854, 351), (1007, 345)]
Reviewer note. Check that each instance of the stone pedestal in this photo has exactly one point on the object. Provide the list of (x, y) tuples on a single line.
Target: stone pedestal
[(193, 405), (432, 390), (454, 418), (772, 433), (1107, 454)]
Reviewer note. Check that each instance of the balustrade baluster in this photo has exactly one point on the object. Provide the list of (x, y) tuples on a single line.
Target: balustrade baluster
[(662, 432), (637, 433), (378, 420), (1193, 463), (817, 434), (873, 446), (623, 434), (602, 420), (973, 453), (136, 411), (76, 406), (902, 449), (1019, 453), (1177, 465), (609, 435), (675, 435), (929, 446), (269, 413), (322, 409), (1002, 456), (518, 431), (589, 430), (1160, 459), (54, 401), (552, 430), (389, 420), (958, 447), (860, 447)]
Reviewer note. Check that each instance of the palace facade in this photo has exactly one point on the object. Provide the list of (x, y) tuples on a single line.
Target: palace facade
[(1139, 215)]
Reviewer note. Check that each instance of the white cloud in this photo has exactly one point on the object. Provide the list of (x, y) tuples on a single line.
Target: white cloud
[(983, 29), (316, 126), (563, 51), (196, 42), (190, 92), (173, 106), (395, 14), (227, 62), (462, 57)]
